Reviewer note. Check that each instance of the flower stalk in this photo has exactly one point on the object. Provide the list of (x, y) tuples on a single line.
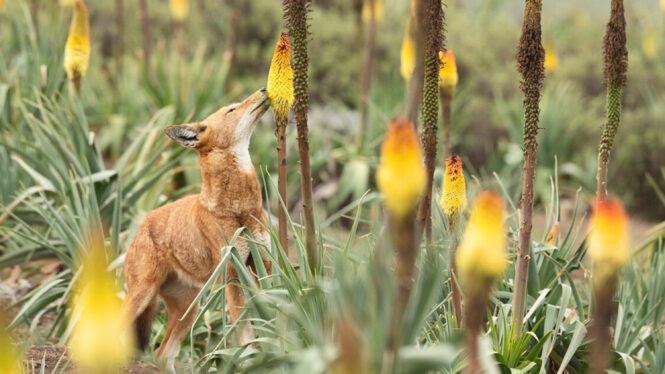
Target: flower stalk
[(295, 12), (530, 59), (447, 83), (77, 49), (615, 58), (433, 44), (482, 259), (453, 202), (368, 66), (179, 11), (401, 177), (609, 252), (280, 93), (413, 67)]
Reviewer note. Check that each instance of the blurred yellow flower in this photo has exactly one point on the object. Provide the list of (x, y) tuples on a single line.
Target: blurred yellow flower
[(482, 254), (453, 200), (2, 5), (179, 9), (447, 71), (662, 5), (649, 45), (378, 10), (102, 340), (401, 173), (280, 80), (551, 57), (608, 238), (67, 3), (77, 49), (10, 358), (408, 53)]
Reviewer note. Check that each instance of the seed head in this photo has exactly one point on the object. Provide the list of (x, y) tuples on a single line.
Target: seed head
[(481, 255), (551, 58), (10, 358), (77, 49), (280, 80), (453, 200), (447, 71), (401, 174), (608, 239), (179, 9), (408, 52), (102, 340)]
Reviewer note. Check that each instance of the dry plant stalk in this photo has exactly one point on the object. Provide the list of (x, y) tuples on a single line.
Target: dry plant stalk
[(453, 202), (280, 93), (447, 83), (530, 58), (401, 177), (609, 253), (295, 12), (615, 58), (433, 44), (77, 49), (482, 259)]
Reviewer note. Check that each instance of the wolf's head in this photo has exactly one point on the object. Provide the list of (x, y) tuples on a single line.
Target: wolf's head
[(229, 128)]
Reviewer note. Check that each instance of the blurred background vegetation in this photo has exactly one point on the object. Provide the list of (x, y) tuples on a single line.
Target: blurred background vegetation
[(486, 117), (66, 162)]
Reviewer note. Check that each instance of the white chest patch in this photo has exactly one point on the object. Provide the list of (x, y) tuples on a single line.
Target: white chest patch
[(240, 148)]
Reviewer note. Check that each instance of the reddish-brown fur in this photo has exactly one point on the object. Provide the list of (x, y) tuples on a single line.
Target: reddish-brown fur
[(178, 246)]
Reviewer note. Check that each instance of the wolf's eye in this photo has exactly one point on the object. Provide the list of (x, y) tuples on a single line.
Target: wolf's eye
[(230, 110)]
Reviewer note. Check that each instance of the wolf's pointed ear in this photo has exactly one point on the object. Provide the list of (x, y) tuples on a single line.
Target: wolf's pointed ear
[(188, 135)]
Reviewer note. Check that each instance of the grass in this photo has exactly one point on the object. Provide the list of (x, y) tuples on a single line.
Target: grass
[(102, 160)]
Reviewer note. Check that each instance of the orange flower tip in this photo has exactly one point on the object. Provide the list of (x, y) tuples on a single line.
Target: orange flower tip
[(453, 200), (482, 255), (401, 174), (608, 241)]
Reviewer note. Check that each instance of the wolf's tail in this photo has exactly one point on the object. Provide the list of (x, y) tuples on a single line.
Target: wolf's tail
[(143, 325)]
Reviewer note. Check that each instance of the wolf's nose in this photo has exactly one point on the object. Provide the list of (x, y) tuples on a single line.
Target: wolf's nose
[(263, 90)]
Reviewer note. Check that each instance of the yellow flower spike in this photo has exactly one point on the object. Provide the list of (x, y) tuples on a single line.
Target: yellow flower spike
[(551, 58), (481, 255), (608, 238), (179, 9), (10, 358), (453, 200), (77, 49), (401, 173), (408, 53), (447, 71), (67, 3), (367, 9), (102, 340), (280, 80)]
